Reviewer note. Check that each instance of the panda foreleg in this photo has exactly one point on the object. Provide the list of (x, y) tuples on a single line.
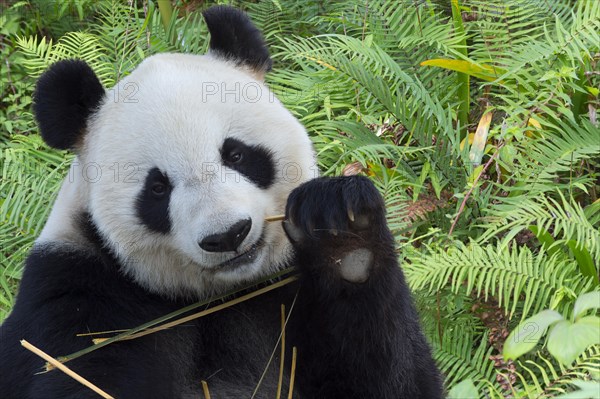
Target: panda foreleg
[(356, 329), (67, 291)]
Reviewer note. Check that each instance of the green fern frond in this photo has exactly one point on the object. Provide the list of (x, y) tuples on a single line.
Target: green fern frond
[(544, 378), (373, 70), (31, 176), (414, 33), (122, 30), (366, 145), (548, 163), (24, 158), (41, 53), (544, 169), (500, 26), (592, 213), (515, 277), (187, 34), (566, 219), (547, 49), (575, 43), (460, 356), (292, 18)]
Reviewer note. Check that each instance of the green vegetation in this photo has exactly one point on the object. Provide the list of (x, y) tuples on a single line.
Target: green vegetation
[(476, 119)]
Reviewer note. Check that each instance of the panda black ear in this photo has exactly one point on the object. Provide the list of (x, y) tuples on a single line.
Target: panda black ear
[(234, 37), (65, 97)]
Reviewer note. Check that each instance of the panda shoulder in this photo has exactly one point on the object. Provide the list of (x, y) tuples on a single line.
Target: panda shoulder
[(63, 271)]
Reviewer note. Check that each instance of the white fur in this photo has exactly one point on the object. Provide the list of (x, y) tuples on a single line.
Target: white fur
[(167, 114), (71, 200)]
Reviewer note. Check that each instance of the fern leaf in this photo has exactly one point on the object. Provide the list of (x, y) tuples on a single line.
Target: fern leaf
[(515, 276)]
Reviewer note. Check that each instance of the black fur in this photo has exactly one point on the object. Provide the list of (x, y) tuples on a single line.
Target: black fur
[(358, 340), (234, 37), (64, 98), (254, 162), (153, 208)]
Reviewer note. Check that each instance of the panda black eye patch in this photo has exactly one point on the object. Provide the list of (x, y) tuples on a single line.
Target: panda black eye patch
[(152, 204), (254, 162)]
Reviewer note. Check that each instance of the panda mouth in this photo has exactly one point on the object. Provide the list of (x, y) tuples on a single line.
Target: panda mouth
[(248, 256)]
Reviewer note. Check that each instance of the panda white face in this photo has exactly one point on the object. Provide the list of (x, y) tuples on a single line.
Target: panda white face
[(180, 163), (182, 173)]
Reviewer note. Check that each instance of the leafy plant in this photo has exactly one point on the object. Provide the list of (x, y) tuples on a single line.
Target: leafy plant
[(567, 338), (464, 389)]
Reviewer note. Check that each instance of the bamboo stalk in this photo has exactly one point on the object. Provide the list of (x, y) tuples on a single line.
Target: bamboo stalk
[(282, 359), (205, 390), (65, 369), (217, 308), (103, 342), (100, 333), (275, 348), (293, 373), (274, 218)]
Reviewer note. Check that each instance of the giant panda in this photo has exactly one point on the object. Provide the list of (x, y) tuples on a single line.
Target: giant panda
[(165, 205)]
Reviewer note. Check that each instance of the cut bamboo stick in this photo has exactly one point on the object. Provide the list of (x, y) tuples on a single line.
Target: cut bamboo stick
[(293, 372), (99, 333), (205, 390), (65, 369), (282, 359), (213, 309), (107, 341), (274, 218)]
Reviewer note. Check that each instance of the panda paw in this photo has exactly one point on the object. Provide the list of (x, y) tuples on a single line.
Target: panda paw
[(339, 221)]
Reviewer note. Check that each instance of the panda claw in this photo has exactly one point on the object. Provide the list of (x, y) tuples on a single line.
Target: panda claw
[(310, 228), (361, 222), (294, 232), (351, 214)]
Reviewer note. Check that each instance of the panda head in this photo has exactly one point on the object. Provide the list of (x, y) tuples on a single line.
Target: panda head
[(179, 164)]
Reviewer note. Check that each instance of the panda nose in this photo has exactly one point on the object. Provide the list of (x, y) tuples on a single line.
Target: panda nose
[(229, 240)]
